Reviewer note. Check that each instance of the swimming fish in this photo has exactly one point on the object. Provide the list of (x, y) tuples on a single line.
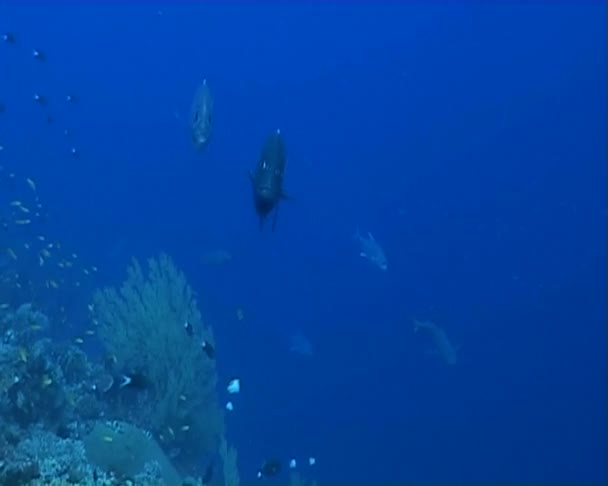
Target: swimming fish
[(267, 178), (40, 99), (234, 386), (38, 54), (208, 349), (189, 329), (443, 345), (371, 250), (270, 468), (201, 114), (134, 380)]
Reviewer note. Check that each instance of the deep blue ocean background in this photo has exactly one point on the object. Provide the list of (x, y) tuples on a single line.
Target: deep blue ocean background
[(469, 138)]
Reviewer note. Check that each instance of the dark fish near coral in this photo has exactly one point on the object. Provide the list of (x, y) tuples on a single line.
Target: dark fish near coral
[(267, 178), (201, 114), (270, 468), (208, 349), (189, 329), (135, 380)]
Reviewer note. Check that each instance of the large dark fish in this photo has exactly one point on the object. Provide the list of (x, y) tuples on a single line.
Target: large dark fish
[(201, 113), (267, 179)]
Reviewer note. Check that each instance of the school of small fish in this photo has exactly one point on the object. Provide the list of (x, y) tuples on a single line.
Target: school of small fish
[(60, 271)]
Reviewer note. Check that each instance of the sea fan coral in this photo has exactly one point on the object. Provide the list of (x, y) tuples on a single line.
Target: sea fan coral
[(142, 327)]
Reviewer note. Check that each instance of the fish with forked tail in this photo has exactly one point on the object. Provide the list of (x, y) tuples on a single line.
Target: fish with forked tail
[(267, 178)]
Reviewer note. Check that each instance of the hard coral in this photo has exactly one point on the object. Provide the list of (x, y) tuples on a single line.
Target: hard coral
[(127, 451)]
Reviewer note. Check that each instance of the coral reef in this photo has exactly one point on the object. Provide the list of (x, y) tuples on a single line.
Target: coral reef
[(141, 325), (127, 451), (54, 408), (44, 456)]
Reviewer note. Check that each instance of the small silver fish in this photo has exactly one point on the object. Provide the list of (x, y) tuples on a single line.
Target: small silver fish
[(201, 113), (371, 250)]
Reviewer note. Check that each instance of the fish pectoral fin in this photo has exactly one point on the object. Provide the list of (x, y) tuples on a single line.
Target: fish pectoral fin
[(363, 254)]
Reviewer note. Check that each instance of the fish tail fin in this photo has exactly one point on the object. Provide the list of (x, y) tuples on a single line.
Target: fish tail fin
[(124, 381)]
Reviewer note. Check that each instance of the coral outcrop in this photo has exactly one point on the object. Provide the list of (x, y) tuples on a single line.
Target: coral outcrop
[(142, 327)]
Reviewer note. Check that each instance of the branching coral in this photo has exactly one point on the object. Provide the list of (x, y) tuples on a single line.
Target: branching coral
[(142, 326)]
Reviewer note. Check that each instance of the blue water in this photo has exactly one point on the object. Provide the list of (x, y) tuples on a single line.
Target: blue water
[(469, 138)]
